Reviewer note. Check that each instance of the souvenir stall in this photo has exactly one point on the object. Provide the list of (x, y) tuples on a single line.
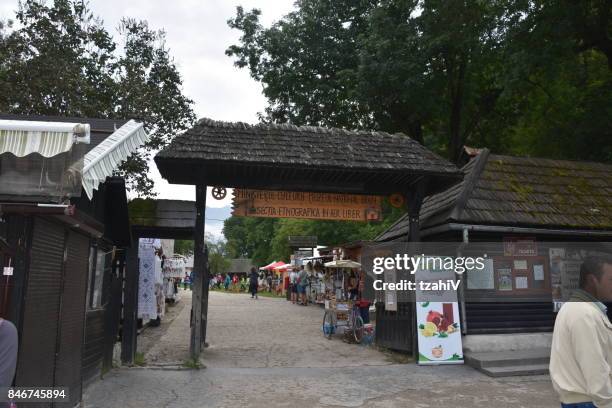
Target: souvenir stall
[(173, 271), (316, 279), (345, 312)]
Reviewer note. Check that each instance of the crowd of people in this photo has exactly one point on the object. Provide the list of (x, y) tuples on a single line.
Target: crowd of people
[(253, 282)]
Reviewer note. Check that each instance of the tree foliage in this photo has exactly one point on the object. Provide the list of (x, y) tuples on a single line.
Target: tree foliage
[(525, 77), (59, 60), (266, 239), (509, 75)]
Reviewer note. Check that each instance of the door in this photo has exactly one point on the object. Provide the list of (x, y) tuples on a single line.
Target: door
[(72, 317), (41, 306)]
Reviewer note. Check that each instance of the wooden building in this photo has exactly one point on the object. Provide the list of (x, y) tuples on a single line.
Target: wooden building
[(66, 249), (532, 203)]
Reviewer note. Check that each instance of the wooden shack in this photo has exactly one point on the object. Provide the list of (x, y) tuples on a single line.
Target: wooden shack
[(532, 203), (64, 294)]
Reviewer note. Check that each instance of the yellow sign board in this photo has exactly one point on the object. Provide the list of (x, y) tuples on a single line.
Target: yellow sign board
[(306, 205)]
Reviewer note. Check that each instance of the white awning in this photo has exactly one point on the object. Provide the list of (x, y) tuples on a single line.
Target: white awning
[(23, 137), (105, 158)]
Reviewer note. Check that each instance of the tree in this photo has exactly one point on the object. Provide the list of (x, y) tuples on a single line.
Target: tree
[(217, 255), (305, 61), (265, 239), (183, 247), (396, 65), (149, 88), (61, 61)]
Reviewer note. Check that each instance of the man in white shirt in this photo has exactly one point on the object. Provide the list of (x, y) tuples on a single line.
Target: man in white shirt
[(581, 352)]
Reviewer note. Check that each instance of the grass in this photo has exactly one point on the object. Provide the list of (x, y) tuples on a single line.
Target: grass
[(192, 363), (139, 359)]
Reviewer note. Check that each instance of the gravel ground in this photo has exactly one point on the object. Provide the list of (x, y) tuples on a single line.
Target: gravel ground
[(270, 353)]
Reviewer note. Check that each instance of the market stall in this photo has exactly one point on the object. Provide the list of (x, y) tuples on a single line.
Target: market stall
[(173, 271), (344, 310)]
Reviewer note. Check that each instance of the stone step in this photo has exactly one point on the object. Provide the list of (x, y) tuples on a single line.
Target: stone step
[(507, 371), (507, 358)]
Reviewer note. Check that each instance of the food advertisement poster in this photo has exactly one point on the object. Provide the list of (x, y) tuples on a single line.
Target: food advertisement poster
[(438, 323), (439, 333)]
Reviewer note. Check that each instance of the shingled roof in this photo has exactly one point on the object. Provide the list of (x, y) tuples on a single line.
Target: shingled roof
[(522, 192), (305, 157)]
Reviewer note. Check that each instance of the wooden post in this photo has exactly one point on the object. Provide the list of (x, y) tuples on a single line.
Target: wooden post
[(130, 306), (414, 200), (205, 279), (199, 274)]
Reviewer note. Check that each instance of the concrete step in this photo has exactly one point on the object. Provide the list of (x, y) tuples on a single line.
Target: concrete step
[(508, 358), (507, 371)]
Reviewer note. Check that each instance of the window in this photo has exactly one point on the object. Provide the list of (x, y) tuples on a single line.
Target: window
[(99, 262)]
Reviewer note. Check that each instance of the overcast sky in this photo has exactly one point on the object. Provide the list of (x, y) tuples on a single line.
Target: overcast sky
[(197, 35)]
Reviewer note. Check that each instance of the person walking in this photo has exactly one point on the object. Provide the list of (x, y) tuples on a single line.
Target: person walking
[(227, 282), (293, 275), (8, 355), (581, 351), (302, 285), (253, 282)]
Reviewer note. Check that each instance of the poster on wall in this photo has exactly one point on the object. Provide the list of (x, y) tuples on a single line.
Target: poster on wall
[(504, 278), (514, 246), (482, 279), (556, 256), (390, 295), (570, 277), (521, 282), (438, 323)]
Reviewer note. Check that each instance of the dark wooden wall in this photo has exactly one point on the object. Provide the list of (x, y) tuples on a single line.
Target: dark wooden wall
[(93, 351)]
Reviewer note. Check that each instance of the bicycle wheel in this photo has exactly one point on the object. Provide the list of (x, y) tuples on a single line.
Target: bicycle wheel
[(358, 329), (328, 324)]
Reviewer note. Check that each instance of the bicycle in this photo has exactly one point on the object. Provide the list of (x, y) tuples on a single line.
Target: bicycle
[(354, 323)]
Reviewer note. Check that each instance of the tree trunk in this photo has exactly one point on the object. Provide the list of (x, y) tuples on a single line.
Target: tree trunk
[(456, 91)]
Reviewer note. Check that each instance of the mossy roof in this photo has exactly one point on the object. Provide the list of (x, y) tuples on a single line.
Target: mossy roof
[(522, 191)]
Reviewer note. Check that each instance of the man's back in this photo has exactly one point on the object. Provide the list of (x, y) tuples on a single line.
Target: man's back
[(581, 355)]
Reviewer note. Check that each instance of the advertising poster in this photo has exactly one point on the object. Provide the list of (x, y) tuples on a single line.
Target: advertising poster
[(438, 323)]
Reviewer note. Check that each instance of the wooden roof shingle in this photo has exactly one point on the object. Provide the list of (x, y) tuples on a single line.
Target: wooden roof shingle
[(229, 154), (521, 191)]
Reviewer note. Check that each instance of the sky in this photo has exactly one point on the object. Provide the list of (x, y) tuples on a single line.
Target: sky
[(197, 35)]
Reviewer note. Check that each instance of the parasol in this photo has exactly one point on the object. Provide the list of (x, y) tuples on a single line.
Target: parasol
[(342, 263)]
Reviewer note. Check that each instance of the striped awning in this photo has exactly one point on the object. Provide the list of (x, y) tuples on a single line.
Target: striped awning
[(45, 138), (101, 161)]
